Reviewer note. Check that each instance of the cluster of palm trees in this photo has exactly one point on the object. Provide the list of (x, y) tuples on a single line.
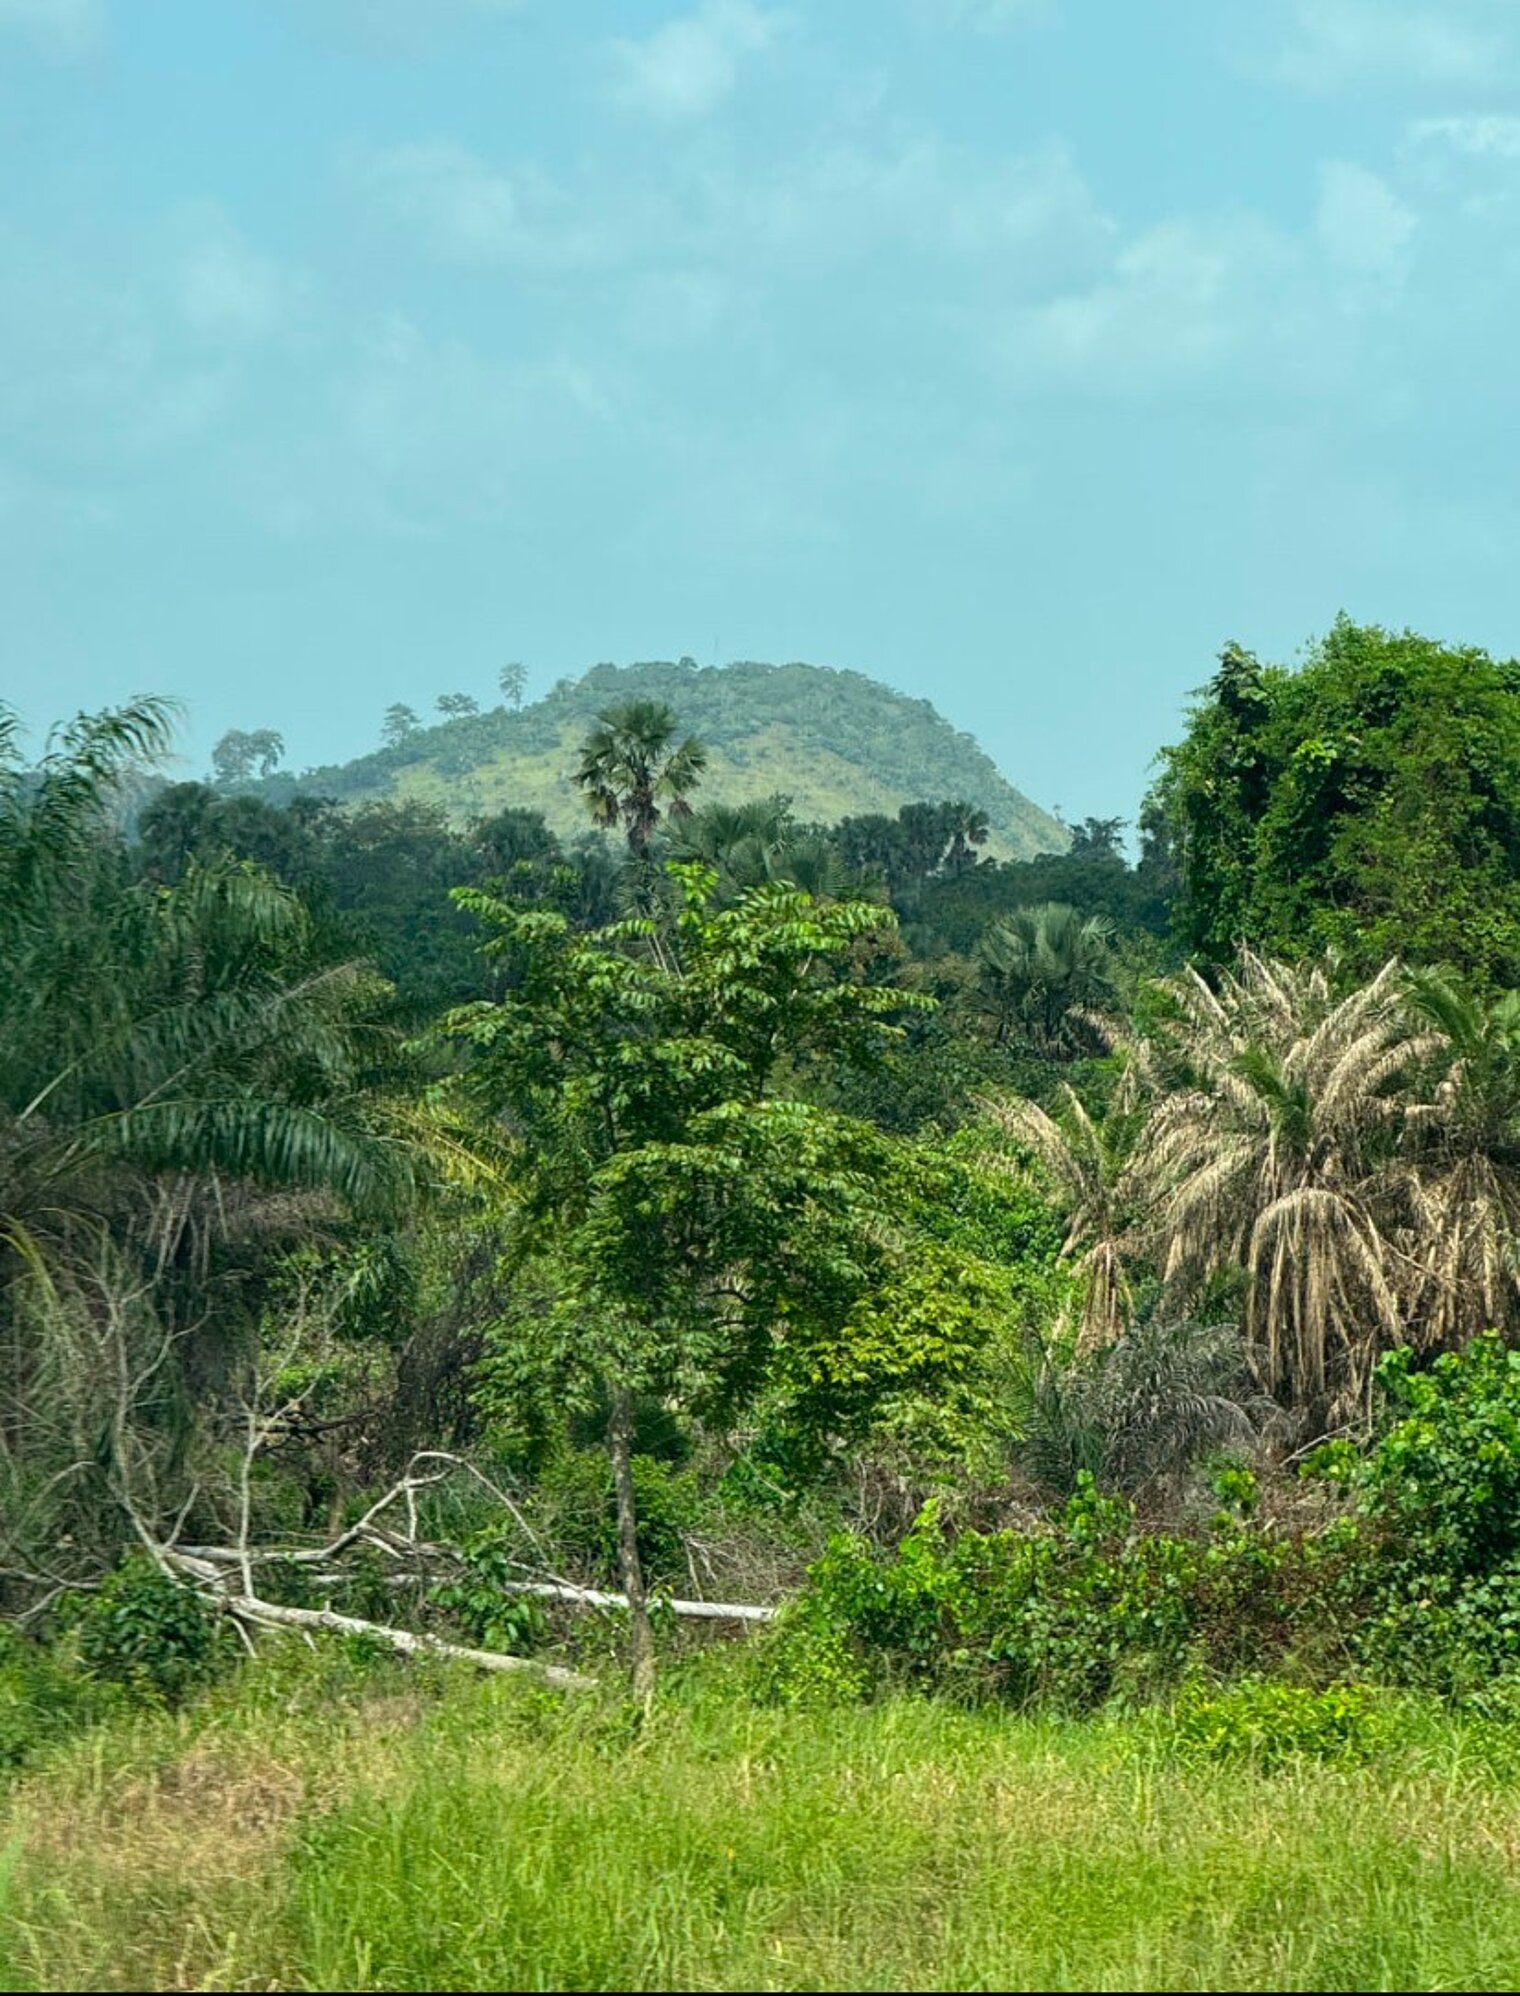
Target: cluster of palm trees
[(1341, 1166), (179, 1068)]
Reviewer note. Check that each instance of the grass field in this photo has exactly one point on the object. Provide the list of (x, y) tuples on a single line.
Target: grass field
[(330, 1825)]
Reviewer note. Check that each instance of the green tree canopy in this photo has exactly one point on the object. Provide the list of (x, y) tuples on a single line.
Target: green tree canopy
[(688, 1213), (1369, 801)]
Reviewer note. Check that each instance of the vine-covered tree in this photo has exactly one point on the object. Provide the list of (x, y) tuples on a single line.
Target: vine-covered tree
[(1369, 802)]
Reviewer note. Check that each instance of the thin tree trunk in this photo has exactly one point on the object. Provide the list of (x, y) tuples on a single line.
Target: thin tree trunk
[(630, 1569)]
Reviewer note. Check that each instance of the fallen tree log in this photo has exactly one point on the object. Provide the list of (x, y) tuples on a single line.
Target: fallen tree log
[(592, 1597), (270, 1614)]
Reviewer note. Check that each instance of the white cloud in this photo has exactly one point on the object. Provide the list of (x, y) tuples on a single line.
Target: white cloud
[(467, 212), (1340, 44), (1172, 306), (90, 377), (688, 67), (1029, 220), (677, 307), (1226, 306), (462, 435), (1361, 225), (62, 27), (1480, 137), (228, 292)]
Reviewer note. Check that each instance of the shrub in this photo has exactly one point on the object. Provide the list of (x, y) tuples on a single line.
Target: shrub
[(1071, 1614), (1440, 1493), (1271, 1722), (148, 1633), (577, 1512)]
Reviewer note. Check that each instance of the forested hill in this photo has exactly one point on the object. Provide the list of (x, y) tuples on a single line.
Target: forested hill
[(838, 743)]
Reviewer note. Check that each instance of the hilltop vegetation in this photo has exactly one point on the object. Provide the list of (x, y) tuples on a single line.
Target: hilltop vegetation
[(837, 743)]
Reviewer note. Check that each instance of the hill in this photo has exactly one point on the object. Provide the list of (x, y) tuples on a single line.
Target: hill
[(837, 743)]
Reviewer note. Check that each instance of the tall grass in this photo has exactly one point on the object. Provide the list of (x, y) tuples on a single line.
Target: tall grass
[(484, 1836)]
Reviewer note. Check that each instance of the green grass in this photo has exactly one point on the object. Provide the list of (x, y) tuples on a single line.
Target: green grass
[(321, 1829)]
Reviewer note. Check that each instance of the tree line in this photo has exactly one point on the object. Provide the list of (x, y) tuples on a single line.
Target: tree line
[(719, 1179)]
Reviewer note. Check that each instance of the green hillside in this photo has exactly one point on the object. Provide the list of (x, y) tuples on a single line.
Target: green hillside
[(836, 742)]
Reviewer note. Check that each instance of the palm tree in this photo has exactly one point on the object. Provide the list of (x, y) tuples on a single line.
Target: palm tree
[(165, 1052), (1043, 972), (1281, 1161), (755, 844), (1090, 1164), (969, 827), (1464, 1144), (631, 766)]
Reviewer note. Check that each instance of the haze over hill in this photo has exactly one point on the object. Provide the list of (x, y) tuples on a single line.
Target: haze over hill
[(838, 743)]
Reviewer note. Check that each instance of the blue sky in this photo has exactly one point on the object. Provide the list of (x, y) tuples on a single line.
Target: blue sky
[(1016, 351)]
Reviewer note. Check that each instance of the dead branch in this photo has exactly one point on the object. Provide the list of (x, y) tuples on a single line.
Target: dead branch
[(269, 1614), (591, 1597)]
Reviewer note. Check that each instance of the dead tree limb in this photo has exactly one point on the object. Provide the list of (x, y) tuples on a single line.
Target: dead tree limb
[(591, 1597), (270, 1614)]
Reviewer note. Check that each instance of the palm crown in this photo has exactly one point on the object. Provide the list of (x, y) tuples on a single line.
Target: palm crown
[(634, 772)]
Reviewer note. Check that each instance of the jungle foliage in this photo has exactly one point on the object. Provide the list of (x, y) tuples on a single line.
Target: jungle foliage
[(428, 1222)]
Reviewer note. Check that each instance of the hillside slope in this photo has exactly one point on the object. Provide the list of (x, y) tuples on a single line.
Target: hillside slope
[(836, 742)]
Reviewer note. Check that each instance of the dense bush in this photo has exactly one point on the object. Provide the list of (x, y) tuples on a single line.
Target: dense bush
[(1070, 1613), (1440, 1496), (1416, 1581), (151, 1635)]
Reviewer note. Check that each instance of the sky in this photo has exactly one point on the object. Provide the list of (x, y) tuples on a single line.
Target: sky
[(1018, 352)]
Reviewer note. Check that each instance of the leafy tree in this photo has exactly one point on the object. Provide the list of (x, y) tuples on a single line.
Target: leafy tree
[(513, 838), (454, 706), (400, 724), (634, 772), (690, 1215), (239, 754), (948, 912), (1097, 838), (189, 822), (1369, 802), (388, 868), (513, 681)]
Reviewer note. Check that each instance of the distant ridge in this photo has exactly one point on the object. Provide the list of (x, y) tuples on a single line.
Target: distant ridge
[(836, 742)]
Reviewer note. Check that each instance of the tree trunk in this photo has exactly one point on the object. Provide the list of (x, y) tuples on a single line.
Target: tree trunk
[(630, 1571)]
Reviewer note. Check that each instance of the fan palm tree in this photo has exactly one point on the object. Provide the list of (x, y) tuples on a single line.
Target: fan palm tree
[(1042, 972), (1281, 1160), (760, 843), (969, 827), (634, 772)]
